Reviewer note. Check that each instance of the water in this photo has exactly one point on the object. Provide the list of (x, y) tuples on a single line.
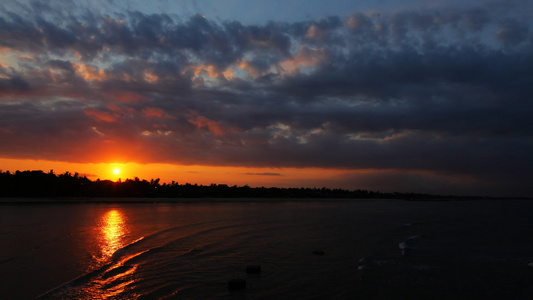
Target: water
[(372, 249)]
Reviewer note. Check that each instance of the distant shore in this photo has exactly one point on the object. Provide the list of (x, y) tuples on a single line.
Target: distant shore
[(111, 200), (39, 187), (73, 200)]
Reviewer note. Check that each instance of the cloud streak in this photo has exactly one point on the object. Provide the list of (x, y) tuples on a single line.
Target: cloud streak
[(264, 174), (446, 91)]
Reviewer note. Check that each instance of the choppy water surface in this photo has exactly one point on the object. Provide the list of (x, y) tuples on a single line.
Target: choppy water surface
[(306, 250)]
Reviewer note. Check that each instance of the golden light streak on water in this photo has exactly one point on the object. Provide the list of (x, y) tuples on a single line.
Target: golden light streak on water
[(111, 235), (113, 228)]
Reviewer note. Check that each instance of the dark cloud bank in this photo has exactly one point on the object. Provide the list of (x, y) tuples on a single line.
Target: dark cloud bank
[(440, 98)]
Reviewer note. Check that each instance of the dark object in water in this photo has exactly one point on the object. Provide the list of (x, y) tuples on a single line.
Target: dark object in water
[(253, 269), (236, 284), (318, 252)]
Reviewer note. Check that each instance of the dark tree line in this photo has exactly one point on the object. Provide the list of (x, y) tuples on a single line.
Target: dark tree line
[(41, 184)]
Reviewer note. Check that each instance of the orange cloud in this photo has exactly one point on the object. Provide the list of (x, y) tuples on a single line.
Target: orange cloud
[(201, 121), (198, 70), (210, 70), (109, 20), (156, 113), (114, 108), (27, 57), (97, 131), (360, 21), (314, 32), (126, 96), (88, 73), (228, 74), (252, 71), (99, 115), (150, 77), (119, 111), (306, 57)]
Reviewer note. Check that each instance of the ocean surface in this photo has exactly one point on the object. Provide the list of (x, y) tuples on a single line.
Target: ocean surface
[(357, 249)]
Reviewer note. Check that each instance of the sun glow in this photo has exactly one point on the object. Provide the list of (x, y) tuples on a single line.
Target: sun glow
[(116, 171), (194, 174)]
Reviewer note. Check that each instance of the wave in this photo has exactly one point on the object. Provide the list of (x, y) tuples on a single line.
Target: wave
[(184, 245)]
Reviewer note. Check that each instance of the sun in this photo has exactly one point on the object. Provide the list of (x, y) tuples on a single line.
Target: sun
[(116, 171)]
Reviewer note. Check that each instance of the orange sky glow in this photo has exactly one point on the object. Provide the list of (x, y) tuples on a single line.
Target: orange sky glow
[(283, 177)]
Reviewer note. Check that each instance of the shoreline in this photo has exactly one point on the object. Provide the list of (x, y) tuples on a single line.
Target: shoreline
[(133, 200)]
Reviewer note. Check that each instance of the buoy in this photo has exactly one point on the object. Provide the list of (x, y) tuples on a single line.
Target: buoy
[(236, 284), (253, 269)]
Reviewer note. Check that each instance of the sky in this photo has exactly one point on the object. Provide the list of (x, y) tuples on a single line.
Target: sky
[(407, 96)]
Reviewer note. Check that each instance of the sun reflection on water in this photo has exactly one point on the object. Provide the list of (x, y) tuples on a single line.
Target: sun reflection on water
[(114, 228)]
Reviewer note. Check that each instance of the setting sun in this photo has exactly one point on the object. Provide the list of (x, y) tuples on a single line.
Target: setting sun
[(116, 171)]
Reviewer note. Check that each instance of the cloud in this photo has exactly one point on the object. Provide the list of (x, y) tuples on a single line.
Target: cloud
[(155, 113), (429, 90), (264, 174), (13, 85), (513, 32), (100, 115), (203, 122)]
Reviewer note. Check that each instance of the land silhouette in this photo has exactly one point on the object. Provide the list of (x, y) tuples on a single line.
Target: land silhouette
[(30, 184)]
